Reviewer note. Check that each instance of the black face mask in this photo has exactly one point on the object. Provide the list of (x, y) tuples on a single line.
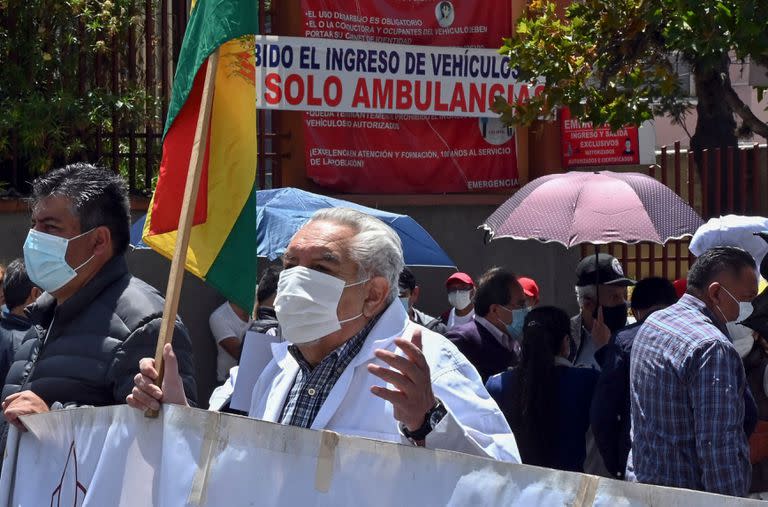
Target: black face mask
[(615, 317), (266, 314)]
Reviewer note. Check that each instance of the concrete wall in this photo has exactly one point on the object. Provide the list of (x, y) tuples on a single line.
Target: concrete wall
[(455, 228)]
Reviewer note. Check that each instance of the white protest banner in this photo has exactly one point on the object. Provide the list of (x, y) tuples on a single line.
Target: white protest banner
[(257, 353), (115, 457), (326, 75)]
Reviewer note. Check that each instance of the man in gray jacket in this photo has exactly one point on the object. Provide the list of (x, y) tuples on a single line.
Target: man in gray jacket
[(94, 321)]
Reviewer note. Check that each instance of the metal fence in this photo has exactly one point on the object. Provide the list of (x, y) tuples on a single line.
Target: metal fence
[(143, 56), (136, 152), (720, 183), (149, 57)]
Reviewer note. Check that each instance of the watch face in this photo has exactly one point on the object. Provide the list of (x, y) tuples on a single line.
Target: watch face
[(436, 416)]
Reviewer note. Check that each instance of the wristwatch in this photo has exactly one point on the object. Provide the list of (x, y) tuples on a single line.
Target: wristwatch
[(431, 419)]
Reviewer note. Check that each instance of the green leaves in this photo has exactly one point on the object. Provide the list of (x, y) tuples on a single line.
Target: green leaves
[(52, 106), (609, 60)]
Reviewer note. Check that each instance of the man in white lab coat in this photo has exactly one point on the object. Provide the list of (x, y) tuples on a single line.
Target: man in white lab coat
[(352, 361)]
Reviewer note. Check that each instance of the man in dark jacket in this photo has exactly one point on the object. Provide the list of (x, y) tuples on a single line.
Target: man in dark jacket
[(486, 340), (609, 415), (19, 293), (94, 321), (409, 294)]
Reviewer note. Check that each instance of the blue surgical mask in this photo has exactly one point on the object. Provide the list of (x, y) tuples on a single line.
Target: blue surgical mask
[(515, 328), (45, 260), (405, 302)]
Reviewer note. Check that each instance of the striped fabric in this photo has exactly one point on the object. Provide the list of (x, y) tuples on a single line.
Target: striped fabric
[(687, 388)]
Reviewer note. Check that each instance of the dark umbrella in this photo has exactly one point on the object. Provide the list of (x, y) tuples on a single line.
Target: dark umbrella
[(593, 207)]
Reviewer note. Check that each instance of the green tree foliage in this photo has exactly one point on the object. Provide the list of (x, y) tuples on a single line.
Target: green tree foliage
[(56, 90), (613, 61)]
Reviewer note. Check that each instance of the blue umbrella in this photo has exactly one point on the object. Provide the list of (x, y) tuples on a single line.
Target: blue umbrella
[(281, 212)]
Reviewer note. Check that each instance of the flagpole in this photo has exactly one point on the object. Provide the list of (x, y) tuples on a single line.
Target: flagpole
[(176, 275)]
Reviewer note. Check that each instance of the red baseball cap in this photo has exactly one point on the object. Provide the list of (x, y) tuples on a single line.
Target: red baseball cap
[(530, 288), (681, 285), (460, 277)]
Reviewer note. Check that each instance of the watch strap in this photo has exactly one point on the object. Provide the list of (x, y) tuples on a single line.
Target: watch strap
[(426, 427)]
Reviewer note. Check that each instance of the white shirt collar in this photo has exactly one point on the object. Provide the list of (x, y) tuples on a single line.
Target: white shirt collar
[(561, 361), (503, 338)]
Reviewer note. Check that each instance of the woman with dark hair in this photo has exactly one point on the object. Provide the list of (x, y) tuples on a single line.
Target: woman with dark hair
[(444, 13), (546, 399)]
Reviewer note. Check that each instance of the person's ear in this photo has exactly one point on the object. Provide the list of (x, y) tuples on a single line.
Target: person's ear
[(376, 296), (102, 241), (715, 292), (415, 295)]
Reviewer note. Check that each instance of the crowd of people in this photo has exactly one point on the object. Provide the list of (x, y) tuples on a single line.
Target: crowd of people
[(650, 381)]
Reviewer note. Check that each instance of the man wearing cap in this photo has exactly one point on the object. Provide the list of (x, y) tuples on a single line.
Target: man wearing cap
[(409, 294), (487, 340), (531, 291), (601, 291), (461, 291)]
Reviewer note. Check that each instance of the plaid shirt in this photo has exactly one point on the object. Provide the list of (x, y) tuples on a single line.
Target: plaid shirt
[(313, 385), (687, 387)]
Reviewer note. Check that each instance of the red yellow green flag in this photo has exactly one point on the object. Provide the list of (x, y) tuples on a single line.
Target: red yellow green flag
[(222, 247)]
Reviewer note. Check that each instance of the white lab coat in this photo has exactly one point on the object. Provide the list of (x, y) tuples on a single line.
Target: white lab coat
[(474, 423)]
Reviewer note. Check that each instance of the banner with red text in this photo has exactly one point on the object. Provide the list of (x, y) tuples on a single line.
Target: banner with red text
[(383, 153), (322, 75), (583, 145)]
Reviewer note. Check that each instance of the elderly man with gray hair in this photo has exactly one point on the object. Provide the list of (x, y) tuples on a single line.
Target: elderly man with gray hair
[(352, 361)]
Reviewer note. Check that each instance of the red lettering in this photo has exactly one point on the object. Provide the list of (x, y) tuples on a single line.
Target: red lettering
[(334, 100), (273, 94), (311, 99), (404, 99), (439, 105), (538, 90), (496, 89), (523, 96), (458, 101), (477, 96), (291, 98), (423, 105), (382, 95), (361, 94)]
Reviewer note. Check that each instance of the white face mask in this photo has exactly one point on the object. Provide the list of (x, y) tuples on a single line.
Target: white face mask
[(306, 304), (459, 299), (743, 341), (45, 260), (745, 309)]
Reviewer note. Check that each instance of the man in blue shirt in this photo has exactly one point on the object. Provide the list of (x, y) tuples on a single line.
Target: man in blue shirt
[(687, 382)]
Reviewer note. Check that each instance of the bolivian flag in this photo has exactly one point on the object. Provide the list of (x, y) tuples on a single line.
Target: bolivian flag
[(222, 248)]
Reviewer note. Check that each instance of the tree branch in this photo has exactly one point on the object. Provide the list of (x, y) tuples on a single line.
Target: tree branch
[(740, 108)]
